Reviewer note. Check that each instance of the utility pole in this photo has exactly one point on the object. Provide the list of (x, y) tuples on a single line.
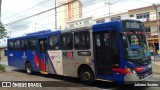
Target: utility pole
[(35, 26), (157, 19), (0, 9), (9, 34), (109, 5), (55, 15)]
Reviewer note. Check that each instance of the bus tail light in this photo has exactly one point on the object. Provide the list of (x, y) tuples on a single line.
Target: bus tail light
[(139, 68)]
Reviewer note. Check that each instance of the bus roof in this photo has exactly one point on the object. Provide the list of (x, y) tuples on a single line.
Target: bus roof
[(114, 25), (37, 34), (77, 29)]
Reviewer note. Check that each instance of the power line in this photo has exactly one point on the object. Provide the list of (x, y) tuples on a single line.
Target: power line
[(62, 19), (50, 10), (38, 13), (87, 4), (85, 12), (90, 10), (40, 3)]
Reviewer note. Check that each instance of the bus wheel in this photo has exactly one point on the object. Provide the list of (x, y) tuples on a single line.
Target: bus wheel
[(29, 68), (86, 76)]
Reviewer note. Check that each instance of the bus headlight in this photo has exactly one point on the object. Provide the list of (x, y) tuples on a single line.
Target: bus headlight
[(134, 72), (131, 70), (128, 69)]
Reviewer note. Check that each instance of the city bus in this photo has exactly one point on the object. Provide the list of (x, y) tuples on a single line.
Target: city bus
[(114, 51)]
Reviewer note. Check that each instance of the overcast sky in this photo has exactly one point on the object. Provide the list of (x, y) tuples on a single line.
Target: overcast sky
[(16, 9)]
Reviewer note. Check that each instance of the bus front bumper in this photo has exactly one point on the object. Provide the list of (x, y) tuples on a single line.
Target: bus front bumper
[(131, 78)]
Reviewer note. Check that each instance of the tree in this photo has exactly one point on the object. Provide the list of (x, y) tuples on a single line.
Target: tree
[(3, 34)]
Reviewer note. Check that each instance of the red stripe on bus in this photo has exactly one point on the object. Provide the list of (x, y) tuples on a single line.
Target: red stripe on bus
[(43, 66), (36, 60), (124, 71)]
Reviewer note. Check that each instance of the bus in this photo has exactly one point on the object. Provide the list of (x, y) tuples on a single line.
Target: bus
[(114, 51)]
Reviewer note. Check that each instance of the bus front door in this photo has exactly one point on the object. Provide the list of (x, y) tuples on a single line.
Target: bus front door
[(103, 62), (42, 48)]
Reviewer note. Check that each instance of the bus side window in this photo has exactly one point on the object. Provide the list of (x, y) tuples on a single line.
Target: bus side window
[(32, 44), (17, 44), (67, 41), (115, 48), (24, 45), (11, 45), (82, 40), (53, 42)]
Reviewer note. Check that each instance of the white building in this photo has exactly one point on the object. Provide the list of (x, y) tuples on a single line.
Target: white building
[(112, 17), (82, 22)]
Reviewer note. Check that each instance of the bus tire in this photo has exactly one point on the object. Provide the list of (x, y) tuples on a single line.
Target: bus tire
[(28, 68), (87, 76)]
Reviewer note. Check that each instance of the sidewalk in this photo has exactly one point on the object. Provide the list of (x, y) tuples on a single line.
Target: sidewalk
[(4, 62), (156, 68), (156, 64)]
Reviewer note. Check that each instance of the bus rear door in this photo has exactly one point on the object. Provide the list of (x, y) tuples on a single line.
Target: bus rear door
[(42, 59)]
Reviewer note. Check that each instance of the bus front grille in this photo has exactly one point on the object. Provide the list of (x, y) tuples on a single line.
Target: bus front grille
[(145, 74)]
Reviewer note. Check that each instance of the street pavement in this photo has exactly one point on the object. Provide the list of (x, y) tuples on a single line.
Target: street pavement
[(14, 74), (156, 64), (156, 59)]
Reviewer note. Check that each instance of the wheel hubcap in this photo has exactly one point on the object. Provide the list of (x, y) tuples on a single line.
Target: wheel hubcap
[(28, 69), (86, 76)]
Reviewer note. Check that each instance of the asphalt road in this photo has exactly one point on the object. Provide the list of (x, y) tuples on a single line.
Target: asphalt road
[(65, 83)]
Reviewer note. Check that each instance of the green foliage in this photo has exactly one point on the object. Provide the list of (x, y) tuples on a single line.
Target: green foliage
[(2, 67), (3, 34)]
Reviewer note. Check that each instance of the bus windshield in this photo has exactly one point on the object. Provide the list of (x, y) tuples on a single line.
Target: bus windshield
[(134, 45)]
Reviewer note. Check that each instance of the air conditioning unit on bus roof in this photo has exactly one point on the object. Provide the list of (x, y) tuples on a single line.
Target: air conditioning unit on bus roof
[(39, 32), (82, 22)]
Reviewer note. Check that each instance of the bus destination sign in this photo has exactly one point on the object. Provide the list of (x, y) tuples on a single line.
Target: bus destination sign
[(132, 24)]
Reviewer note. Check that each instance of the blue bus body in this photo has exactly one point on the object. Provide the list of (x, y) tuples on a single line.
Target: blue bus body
[(21, 57), (129, 64)]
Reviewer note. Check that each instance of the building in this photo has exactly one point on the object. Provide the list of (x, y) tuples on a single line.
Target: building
[(2, 53), (70, 11), (149, 16), (146, 14), (111, 17), (82, 22)]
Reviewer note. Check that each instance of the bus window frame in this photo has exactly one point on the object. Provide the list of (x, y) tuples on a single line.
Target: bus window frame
[(115, 65), (80, 34), (61, 40), (18, 46), (9, 48), (25, 40), (58, 42), (29, 45)]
